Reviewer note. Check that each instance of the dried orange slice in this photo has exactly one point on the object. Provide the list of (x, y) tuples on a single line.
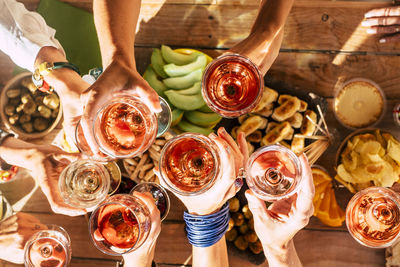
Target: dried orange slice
[(325, 204)]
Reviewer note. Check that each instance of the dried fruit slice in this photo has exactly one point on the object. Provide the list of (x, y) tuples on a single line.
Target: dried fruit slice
[(320, 176)]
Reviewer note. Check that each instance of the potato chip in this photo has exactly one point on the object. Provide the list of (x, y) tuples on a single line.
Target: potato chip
[(350, 160), (393, 150), (380, 138), (342, 172)]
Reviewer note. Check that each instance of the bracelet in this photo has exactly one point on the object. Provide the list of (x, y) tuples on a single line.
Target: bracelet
[(205, 231), (44, 69)]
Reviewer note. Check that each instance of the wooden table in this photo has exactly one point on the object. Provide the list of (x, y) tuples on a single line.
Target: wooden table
[(323, 43)]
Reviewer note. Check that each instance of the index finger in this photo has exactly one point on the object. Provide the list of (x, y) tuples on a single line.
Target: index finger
[(149, 97), (392, 11)]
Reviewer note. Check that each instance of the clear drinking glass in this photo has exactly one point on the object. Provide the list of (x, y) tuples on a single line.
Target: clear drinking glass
[(84, 183), (232, 85), (120, 224), (273, 172), (373, 217), (50, 248), (189, 164), (160, 196), (124, 128)]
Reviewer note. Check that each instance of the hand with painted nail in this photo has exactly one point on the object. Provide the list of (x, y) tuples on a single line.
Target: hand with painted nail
[(277, 225), (231, 160), (143, 256), (45, 162), (385, 22), (15, 231)]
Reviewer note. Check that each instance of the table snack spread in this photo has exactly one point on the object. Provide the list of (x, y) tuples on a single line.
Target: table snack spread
[(368, 158)]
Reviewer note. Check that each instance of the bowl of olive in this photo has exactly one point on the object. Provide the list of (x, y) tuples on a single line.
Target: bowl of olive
[(26, 111)]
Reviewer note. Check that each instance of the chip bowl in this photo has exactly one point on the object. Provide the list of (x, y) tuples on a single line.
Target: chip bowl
[(355, 187)]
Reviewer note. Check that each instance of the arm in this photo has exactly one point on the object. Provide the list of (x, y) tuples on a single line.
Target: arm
[(46, 163), (283, 256), (276, 225), (216, 255), (115, 22), (263, 44)]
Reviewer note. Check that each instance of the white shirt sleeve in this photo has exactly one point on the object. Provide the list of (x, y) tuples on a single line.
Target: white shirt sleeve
[(23, 33)]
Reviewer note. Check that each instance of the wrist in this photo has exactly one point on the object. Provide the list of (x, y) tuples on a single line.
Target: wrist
[(277, 254)]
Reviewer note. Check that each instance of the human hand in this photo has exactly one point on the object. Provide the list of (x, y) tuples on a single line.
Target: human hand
[(46, 166), (276, 225), (262, 49), (231, 160), (384, 21), (118, 78), (143, 256), (14, 233)]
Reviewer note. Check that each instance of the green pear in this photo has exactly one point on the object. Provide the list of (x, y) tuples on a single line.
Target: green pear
[(194, 90)]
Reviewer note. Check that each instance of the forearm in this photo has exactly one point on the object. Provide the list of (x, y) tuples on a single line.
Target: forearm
[(272, 16), (18, 152), (283, 256), (116, 22), (216, 255), (138, 259)]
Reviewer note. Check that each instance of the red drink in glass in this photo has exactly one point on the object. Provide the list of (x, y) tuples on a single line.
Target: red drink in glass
[(120, 225), (232, 85), (373, 217), (273, 172), (189, 163), (125, 127), (48, 248)]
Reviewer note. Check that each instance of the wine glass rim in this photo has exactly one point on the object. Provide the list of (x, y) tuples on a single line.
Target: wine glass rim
[(118, 99), (296, 161), (389, 193), (69, 198), (201, 138), (66, 244), (164, 192), (95, 213), (230, 113)]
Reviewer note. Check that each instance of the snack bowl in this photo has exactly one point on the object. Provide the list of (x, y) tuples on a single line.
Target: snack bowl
[(33, 116), (365, 158), (356, 106)]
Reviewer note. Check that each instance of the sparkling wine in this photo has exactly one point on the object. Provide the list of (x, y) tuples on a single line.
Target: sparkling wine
[(232, 85), (48, 248), (84, 183), (273, 172), (373, 217), (119, 225), (189, 163)]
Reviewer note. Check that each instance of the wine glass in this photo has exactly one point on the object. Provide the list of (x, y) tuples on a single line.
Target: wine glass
[(373, 217), (124, 128), (159, 195), (232, 85), (273, 172), (189, 164), (120, 224), (84, 183), (51, 248)]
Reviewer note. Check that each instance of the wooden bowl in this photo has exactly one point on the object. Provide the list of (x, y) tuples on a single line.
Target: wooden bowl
[(14, 82)]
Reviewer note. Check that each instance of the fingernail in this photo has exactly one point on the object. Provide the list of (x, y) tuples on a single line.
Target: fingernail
[(212, 135), (382, 41), (371, 31)]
